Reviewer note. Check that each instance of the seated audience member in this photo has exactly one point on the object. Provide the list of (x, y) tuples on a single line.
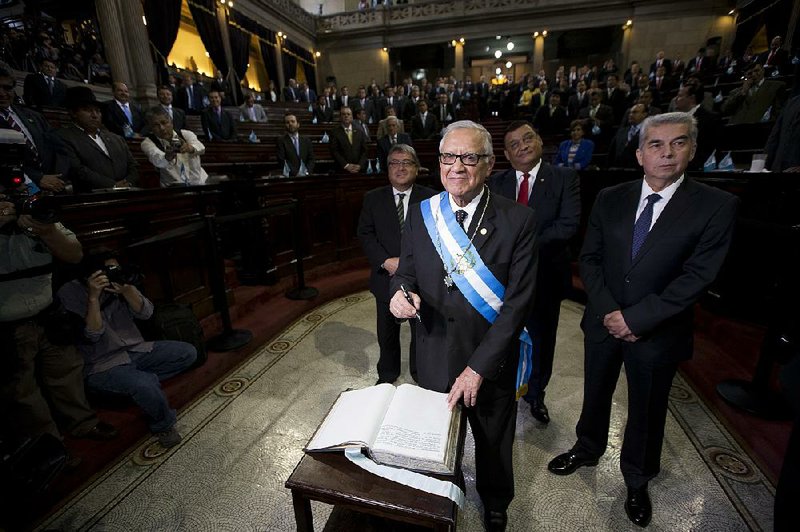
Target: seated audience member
[(783, 145), (176, 114), (623, 146), (551, 119), (117, 360), (216, 122), (295, 152), (597, 113), (100, 70), (348, 144), (391, 101), (322, 111), (43, 163), (41, 378), (646, 99), (578, 101), (540, 97), (749, 103), (290, 92), (393, 136), (424, 125), (701, 64), (615, 97), (708, 123), (97, 159), (360, 123), (776, 58), (190, 95), (121, 116), (250, 111), (577, 152), (411, 103), (307, 94), (176, 154), (43, 89), (271, 93), (390, 112)]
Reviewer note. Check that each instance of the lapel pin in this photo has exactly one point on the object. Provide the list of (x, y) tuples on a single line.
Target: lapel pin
[(483, 230)]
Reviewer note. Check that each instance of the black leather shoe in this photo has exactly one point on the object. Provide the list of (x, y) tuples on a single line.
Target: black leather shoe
[(102, 431), (638, 506), (495, 521), (567, 463), (383, 381), (539, 412)]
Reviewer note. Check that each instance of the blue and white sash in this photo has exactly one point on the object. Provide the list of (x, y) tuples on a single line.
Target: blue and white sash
[(475, 281)]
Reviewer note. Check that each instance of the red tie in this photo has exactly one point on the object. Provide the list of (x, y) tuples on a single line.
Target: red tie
[(522, 197)]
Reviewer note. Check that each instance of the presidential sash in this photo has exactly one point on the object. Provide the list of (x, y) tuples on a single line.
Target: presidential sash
[(465, 268)]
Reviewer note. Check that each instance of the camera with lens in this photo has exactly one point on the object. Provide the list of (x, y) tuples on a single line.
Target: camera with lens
[(12, 181), (117, 274)]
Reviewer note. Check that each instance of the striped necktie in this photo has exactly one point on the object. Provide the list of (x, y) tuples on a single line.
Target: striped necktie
[(401, 211)]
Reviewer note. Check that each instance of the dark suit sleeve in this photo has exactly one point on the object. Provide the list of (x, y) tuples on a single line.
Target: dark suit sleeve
[(367, 234), (82, 173), (204, 124), (336, 150), (406, 273), (310, 162), (132, 176), (699, 271), (280, 150), (773, 140), (591, 261), (488, 358), (565, 225), (362, 159)]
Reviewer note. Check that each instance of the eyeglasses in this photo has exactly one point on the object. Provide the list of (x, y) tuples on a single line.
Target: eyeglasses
[(404, 164), (467, 159)]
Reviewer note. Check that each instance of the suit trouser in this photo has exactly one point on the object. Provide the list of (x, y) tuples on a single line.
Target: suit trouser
[(59, 369), (493, 421), (543, 326), (389, 342), (649, 381)]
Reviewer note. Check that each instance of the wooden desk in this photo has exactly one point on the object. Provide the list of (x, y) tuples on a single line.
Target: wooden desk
[(331, 478)]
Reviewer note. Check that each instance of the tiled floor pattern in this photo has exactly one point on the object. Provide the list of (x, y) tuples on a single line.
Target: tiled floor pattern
[(243, 439)]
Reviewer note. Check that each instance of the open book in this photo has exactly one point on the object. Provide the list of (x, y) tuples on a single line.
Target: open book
[(407, 427)]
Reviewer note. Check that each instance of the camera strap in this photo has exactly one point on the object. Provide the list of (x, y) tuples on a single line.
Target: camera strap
[(27, 273)]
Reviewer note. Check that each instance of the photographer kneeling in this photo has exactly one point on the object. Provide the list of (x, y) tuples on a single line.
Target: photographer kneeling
[(176, 154), (117, 359)]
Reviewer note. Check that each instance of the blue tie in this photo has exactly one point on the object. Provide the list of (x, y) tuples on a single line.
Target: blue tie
[(642, 226), (127, 111)]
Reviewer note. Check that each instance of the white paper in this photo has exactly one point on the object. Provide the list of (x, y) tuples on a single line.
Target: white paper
[(356, 417)]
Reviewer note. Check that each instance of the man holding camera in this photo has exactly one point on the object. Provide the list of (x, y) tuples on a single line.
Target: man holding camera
[(176, 154), (117, 360), (33, 357)]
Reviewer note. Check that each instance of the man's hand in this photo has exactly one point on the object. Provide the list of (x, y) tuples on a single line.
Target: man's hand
[(187, 148), (401, 308), (352, 168), (390, 264), (96, 283), (467, 385), (615, 323), (33, 227), (52, 182)]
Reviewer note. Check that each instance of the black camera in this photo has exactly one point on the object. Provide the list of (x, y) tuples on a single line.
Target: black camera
[(116, 274), (12, 180)]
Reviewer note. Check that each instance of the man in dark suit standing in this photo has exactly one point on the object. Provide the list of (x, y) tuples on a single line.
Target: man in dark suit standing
[(443, 110), (553, 193), (623, 146), (43, 89), (43, 163), (307, 94), (392, 138), (122, 116), (165, 102), (482, 93), (551, 119), (322, 111), (661, 61), (615, 97), (468, 342), (348, 145), (190, 95), (98, 159), (295, 153), (424, 125), (379, 228), (216, 122), (578, 101), (651, 249)]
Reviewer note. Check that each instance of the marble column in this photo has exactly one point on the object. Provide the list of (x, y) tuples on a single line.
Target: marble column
[(538, 53), (139, 56), (627, 36), (458, 65), (281, 82), (110, 18)]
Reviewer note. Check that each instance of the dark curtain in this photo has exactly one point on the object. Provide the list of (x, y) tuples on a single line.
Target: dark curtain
[(163, 21), (270, 56), (268, 53), (755, 15), (208, 28), (240, 50), (289, 66), (311, 75)]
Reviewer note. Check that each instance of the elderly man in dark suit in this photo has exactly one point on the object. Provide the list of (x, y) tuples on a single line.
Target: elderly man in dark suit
[(122, 116), (553, 194), (43, 163), (348, 144), (98, 159), (43, 89), (216, 122), (652, 248), (295, 152), (380, 225), (454, 246), (392, 138)]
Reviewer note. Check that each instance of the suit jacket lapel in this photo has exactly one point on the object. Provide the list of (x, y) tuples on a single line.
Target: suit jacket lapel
[(487, 227), (88, 140), (508, 184), (542, 183), (391, 207)]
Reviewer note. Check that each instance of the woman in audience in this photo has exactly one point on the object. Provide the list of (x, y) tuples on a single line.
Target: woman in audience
[(577, 152)]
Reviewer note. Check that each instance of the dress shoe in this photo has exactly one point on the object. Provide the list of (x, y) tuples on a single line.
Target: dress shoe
[(567, 463), (102, 431), (384, 381), (539, 411), (495, 521), (638, 506)]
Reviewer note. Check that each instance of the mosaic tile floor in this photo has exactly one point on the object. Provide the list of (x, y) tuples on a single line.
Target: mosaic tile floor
[(243, 438)]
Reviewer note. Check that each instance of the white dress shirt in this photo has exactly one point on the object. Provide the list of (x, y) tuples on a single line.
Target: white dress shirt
[(405, 199), (531, 179), (659, 206), (471, 207)]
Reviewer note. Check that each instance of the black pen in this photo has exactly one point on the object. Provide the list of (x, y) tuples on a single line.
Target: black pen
[(410, 300)]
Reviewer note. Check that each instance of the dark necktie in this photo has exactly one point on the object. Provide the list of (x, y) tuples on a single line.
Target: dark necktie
[(401, 212), (296, 142), (642, 226), (461, 215), (190, 92), (522, 197)]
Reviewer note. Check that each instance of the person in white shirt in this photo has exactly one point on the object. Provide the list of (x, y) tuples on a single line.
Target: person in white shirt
[(175, 154)]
